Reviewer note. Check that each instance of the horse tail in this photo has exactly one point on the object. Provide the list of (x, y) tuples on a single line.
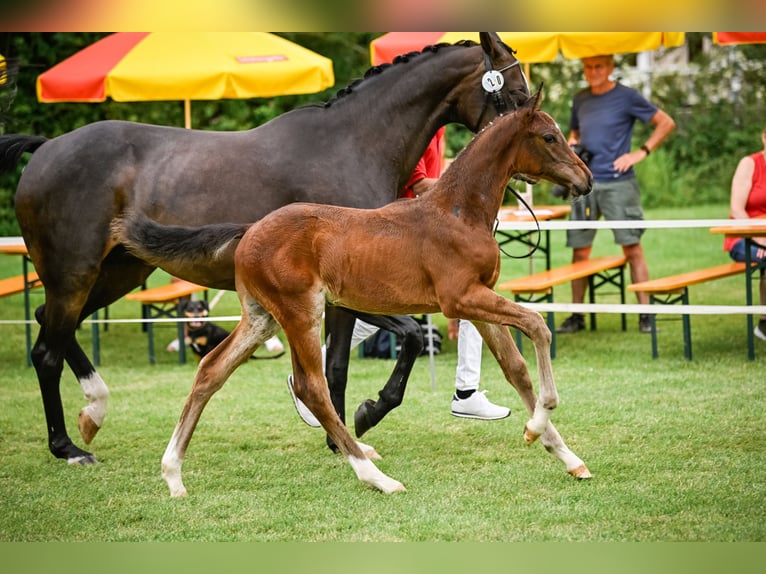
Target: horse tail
[(174, 247), (12, 146)]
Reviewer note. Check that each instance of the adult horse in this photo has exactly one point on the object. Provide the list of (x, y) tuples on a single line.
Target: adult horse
[(295, 259), (357, 150)]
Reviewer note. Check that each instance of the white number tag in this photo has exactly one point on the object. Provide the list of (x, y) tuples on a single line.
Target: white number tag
[(492, 81)]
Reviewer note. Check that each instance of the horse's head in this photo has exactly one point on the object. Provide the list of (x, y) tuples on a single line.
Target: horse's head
[(496, 85), (543, 152)]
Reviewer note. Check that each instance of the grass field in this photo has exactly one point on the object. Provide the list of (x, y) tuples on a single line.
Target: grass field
[(676, 447)]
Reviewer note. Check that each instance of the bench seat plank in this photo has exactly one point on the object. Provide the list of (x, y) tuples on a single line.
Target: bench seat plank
[(545, 280), (165, 293), (14, 285), (675, 283)]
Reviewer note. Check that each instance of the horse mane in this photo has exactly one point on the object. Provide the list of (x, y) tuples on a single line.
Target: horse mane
[(401, 59)]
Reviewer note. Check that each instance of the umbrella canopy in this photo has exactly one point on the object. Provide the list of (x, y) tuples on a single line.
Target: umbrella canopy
[(532, 47), (730, 38), (151, 66)]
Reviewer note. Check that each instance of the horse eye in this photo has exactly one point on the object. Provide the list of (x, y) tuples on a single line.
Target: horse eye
[(548, 138)]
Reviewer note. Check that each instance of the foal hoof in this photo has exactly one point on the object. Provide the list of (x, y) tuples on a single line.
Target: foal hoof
[(581, 472), (529, 436), (362, 421), (88, 428)]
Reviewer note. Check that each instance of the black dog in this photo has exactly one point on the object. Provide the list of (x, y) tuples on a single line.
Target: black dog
[(202, 336)]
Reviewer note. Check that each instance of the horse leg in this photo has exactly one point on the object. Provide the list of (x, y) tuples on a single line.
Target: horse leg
[(56, 336), (214, 369), (500, 342), (311, 388), (370, 412), (119, 274)]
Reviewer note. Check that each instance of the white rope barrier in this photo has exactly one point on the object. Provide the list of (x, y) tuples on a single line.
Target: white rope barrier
[(555, 224), (539, 307)]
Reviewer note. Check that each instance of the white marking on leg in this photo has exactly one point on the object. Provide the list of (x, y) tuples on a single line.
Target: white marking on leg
[(370, 474), (96, 393), (171, 467), (539, 419)]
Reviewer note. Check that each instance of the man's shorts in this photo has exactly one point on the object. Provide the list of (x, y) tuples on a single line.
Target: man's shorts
[(614, 200)]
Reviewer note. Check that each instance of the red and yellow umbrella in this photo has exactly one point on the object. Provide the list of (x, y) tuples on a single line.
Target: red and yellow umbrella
[(532, 47), (150, 66), (731, 38)]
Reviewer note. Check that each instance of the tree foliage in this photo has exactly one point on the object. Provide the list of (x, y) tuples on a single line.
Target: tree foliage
[(718, 101)]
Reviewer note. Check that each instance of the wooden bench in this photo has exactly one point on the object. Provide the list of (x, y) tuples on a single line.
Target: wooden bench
[(163, 302), (14, 285), (536, 288), (675, 289)]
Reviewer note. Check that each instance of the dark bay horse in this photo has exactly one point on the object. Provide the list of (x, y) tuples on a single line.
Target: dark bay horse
[(294, 260), (357, 150)]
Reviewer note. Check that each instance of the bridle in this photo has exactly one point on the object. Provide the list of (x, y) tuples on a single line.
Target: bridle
[(492, 82)]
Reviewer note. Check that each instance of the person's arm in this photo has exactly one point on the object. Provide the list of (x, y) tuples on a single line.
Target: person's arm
[(663, 125), (741, 184)]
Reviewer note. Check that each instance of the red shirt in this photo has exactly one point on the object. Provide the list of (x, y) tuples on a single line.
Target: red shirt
[(430, 165), (756, 200)]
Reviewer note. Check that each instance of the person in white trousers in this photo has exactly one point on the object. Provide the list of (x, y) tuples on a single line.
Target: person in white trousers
[(467, 401)]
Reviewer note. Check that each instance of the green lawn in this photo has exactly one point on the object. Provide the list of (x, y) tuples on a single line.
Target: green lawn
[(676, 447)]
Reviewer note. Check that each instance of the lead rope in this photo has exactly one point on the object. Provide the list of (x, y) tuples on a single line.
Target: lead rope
[(537, 223)]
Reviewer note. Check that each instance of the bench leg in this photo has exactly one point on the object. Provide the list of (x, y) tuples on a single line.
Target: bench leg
[(181, 344), (653, 322), (94, 329), (687, 328), (146, 312)]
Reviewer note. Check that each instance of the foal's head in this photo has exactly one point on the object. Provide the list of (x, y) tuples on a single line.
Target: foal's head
[(543, 152)]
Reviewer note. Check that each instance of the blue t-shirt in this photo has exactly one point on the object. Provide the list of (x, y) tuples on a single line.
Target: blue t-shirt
[(605, 123)]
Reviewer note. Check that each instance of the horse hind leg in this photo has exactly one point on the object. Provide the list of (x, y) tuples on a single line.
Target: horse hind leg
[(214, 369), (311, 387), (370, 412), (53, 344), (120, 273)]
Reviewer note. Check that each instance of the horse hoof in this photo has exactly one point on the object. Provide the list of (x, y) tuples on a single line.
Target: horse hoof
[(581, 472), (529, 436), (88, 428), (362, 418), (82, 460)]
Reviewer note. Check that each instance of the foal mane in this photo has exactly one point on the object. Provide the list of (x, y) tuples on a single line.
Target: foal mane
[(401, 59)]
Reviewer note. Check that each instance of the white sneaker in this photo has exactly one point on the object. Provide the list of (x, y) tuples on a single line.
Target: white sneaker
[(478, 406), (303, 411), (274, 345)]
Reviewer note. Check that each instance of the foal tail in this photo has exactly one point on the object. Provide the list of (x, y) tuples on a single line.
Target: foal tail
[(186, 252), (12, 146)]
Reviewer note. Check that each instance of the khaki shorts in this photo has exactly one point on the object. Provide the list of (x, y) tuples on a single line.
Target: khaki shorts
[(618, 200)]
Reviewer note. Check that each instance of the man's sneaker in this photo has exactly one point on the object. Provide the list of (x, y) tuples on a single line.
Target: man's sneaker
[(645, 323), (477, 406), (572, 324), (760, 329), (303, 411)]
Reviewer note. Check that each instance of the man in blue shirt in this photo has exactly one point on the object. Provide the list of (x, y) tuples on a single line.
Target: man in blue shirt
[(602, 122)]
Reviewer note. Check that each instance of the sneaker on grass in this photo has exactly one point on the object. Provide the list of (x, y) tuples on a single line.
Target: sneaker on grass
[(478, 406)]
